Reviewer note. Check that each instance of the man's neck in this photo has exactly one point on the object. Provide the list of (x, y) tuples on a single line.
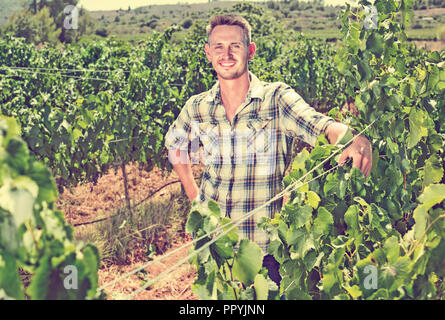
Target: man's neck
[(233, 93)]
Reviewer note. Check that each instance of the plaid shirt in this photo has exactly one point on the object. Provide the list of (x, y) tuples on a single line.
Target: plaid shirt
[(245, 160)]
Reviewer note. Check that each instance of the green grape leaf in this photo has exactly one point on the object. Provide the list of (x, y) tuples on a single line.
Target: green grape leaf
[(312, 199), (433, 170), (322, 223), (417, 127), (354, 291), (261, 287), (375, 44), (91, 260), (364, 71), (19, 154), (46, 183), (302, 241), (214, 208), (392, 249), (41, 281), (23, 205), (301, 215), (351, 219), (300, 160), (295, 293), (232, 235), (432, 195), (380, 294), (194, 222), (330, 278), (9, 276), (247, 262), (331, 185), (420, 215), (9, 240), (223, 247), (391, 274)]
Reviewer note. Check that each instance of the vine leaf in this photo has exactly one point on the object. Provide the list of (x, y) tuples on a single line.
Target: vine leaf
[(375, 44), (432, 195), (248, 262), (312, 199), (194, 221), (9, 277), (261, 287), (433, 170), (323, 222), (417, 128)]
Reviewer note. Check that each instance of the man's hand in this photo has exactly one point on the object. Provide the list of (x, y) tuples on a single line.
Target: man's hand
[(360, 151), (182, 166)]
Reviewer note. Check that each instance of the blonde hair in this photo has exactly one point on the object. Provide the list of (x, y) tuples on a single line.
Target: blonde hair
[(230, 20)]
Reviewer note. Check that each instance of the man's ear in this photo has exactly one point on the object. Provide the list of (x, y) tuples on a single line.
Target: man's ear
[(252, 50), (207, 51)]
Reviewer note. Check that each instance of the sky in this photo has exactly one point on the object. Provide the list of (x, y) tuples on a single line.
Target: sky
[(93, 5)]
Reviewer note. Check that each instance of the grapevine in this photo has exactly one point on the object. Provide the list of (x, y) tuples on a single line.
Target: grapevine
[(34, 237), (334, 232)]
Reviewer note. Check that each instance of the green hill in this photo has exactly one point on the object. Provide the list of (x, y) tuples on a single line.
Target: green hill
[(7, 7)]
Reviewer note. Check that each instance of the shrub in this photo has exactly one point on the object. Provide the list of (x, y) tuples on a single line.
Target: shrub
[(103, 32), (187, 23)]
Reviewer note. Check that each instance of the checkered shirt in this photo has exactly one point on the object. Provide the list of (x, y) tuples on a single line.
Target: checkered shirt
[(245, 161)]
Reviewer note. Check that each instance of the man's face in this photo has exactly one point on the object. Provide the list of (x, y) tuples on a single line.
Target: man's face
[(228, 52)]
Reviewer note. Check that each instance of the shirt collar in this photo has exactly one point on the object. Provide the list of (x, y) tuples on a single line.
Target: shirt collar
[(256, 89)]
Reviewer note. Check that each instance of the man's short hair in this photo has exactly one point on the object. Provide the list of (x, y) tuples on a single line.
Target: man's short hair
[(230, 20)]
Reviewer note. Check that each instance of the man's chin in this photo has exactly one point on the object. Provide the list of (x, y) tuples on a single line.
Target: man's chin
[(230, 75)]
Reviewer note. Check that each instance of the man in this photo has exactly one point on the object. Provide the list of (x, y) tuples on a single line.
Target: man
[(247, 128)]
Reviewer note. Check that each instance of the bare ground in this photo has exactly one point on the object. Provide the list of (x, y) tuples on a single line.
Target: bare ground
[(88, 202)]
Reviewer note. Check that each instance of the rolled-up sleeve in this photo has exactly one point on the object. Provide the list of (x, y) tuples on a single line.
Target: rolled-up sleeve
[(178, 135), (297, 118)]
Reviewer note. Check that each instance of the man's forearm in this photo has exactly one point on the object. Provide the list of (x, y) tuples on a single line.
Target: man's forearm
[(360, 150), (334, 131), (183, 169)]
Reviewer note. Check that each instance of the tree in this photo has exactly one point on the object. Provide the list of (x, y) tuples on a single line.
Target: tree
[(46, 28), (22, 24), (85, 25), (36, 28), (45, 21)]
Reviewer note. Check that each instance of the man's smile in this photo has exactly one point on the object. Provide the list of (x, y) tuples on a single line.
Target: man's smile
[(227, 64)]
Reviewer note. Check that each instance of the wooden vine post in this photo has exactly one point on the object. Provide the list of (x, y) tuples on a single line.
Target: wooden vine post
[(127, 196)]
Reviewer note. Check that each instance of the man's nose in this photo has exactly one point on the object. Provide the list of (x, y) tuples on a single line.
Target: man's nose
[(228, 52)]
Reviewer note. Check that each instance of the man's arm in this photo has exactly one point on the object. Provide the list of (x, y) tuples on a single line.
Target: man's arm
[(183, 168), (296, 116), (360, 150)]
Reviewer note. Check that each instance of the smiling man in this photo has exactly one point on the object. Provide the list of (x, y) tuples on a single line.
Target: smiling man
[(247, 128)]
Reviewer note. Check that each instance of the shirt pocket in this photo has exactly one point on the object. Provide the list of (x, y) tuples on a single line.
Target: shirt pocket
[(259, 137), (208, 133)]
